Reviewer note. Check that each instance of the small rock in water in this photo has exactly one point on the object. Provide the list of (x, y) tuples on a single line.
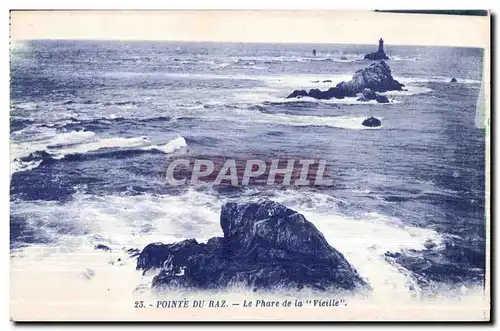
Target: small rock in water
[(429, 244), (102, 247), (453, 80), (381, 98), (372, 122)]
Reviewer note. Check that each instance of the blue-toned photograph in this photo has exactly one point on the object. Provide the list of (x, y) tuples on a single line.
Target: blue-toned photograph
[(160, 174)]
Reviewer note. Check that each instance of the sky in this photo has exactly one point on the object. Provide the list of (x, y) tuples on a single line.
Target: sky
[(327, 26)]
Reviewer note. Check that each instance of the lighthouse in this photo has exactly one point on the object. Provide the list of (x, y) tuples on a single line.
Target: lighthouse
[(381, 45), (379, 54)]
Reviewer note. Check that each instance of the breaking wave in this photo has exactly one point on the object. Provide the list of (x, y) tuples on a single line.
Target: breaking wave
[(75, 144)]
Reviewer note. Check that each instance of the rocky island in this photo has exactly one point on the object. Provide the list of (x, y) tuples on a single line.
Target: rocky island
[(265, 246), (375, 78)]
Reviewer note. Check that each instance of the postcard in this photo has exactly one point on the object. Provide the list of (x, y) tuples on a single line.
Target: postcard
[(183, 165)]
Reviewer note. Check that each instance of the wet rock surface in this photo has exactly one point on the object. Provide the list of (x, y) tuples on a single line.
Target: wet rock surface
[(368, 95), (372, 122)]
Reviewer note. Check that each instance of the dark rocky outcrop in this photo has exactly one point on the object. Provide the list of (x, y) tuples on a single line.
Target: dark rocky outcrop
[(453, 80), (368, 95), (381, 98), (379, 54), (376, 56), (133, 252), (325, 95), (265, 246), (298, 94), (442, 264), (377, 77), (372, 122), (102, 247)]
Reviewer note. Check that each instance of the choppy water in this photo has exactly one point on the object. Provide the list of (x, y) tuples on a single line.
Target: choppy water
[(93, 125)]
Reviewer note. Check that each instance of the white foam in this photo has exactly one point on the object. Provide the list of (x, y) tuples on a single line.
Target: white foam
[(267, 95), (171, 146), (409, 90), (27, 105), (118, 221), (403, 58), (72, 137), (39, 139), (115, 142)]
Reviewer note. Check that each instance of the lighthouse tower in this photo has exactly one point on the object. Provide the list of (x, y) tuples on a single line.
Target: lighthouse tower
[(379, 54), (381, 45)]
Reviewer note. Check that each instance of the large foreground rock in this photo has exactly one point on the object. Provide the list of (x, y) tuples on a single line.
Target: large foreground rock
[(377, 77), (265, 246)]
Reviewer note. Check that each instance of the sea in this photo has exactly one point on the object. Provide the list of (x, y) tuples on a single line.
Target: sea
[(93, 125)]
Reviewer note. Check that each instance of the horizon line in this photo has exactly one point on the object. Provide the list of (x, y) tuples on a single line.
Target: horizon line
[(238, 42)]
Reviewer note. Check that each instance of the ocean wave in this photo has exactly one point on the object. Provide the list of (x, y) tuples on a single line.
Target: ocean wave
[(408, 90), (341, 122), (17, 124), (26, 106), (73, 145), (403, 58), (106, 103), (170, 147), (103, 123), (335, 101)]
